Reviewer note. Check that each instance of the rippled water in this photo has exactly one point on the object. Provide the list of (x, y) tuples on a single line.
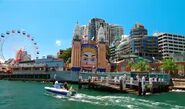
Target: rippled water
[(31, 95)]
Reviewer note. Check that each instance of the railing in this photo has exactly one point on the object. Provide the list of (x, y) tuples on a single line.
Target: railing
[(127, 80)]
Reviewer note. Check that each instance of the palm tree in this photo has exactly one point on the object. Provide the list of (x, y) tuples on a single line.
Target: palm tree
[(138, 66), (131, 65), (169, 65), (142, 66)]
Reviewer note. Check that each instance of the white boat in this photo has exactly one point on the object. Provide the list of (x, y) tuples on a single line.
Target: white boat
[(58, 89)]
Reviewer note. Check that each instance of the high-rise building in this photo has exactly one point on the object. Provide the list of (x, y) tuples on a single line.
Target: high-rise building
[(138, 44), (90, 31), (143, 45), (123, 50), (93, 26), (170, 44), (113, 53), (115, 30), (136, 35), (113, 48), (150, 48), (138, 31)]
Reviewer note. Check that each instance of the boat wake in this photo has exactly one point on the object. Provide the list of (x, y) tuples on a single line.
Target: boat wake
[(121, 101)]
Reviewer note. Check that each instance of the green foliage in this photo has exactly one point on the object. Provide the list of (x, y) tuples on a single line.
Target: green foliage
[(138, 66), (169, 65), (131, 65), (66, 55), (141, 66), (180, 67)]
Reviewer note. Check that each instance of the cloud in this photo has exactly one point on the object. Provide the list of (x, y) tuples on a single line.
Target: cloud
[(125, 35), (58, 42)]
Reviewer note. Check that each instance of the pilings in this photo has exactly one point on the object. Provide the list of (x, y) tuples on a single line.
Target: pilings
[(123, 85), (79, 82), (139, 88), (89, 83)]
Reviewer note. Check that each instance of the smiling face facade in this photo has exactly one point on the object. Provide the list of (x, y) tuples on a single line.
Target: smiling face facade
[(89, 57)]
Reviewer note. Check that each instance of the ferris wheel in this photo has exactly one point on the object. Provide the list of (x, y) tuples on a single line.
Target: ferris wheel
[(21, 34)]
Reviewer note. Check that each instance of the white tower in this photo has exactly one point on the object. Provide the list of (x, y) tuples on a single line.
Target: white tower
[(76, 49), (101, 35), (77, 34)]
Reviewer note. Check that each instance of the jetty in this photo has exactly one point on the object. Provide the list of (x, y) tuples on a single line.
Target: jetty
[(134, 83)]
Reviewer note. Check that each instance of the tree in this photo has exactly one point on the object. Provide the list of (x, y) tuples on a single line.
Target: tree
[(169, 65), (131, 65), (141, 66), (138, 66), (66, 55)]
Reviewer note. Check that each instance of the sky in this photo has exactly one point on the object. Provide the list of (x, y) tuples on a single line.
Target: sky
[(51, 22)]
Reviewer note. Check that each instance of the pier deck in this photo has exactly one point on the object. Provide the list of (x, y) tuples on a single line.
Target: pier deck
[(124, 85)]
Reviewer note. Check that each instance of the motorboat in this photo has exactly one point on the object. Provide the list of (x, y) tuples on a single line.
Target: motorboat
[(58, 89)]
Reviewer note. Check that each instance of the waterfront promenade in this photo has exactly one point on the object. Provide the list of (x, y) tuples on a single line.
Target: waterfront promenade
[(124, 82)]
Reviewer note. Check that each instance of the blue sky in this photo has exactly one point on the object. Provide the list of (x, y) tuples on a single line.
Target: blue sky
[(52, 20)]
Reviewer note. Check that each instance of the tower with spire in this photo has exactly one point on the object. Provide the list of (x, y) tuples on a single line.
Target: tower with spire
[(76, 49), (101, 35), (101, 46), (76, 33)]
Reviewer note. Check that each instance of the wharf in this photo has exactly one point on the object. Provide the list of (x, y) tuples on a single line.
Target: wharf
[(123, 85)]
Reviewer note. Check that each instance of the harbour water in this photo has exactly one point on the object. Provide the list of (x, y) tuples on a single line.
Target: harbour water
[(31, 95)]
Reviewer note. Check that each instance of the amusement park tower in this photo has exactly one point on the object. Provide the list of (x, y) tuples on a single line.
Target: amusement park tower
[(101, 50), (87, 54), (76, 49)]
